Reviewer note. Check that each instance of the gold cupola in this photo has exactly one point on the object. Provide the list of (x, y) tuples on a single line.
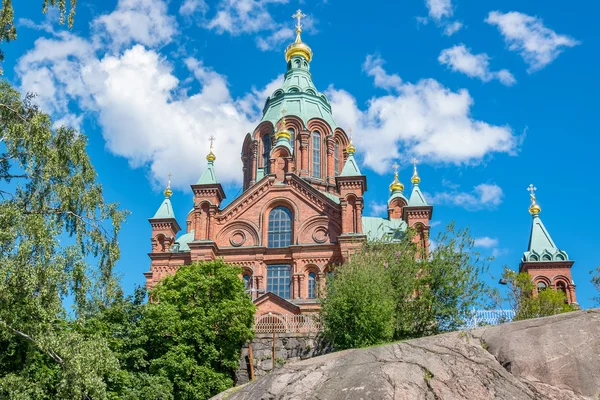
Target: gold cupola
[(534, 208), (298, 48), (396, 185), (283, 131), (211, 156), (168, 192), (415, 178)]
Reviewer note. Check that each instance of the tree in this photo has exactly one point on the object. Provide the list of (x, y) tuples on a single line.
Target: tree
[(523, 298), (8, 31), (58, 240), (596, 282), (393, 290), (195, 326)]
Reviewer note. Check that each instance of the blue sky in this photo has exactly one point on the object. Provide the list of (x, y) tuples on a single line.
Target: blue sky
[(490, 96)]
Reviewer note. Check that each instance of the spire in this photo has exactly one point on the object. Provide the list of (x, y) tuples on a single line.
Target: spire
[(209, 177), (416, 197), (396, 185), (298, 48), (534, 208), (166, 209), (350, 167)]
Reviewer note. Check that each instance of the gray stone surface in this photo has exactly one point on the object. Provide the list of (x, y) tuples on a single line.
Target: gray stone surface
[(548, 358)]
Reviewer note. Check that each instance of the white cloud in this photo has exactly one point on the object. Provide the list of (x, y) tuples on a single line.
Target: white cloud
[(377, 209), (483, 196), (460, 59), (146, 113), (275, 39), (439, 9), (425, 119), (486, 242), (136, 21), (452, 27), (537, 44), (190, 7)]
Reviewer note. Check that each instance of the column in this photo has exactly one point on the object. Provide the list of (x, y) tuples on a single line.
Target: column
[(330, 166)]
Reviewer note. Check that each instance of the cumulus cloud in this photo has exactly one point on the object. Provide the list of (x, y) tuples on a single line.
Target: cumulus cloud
[(423, 119), (485, 242), (440, 11), (483, 196), (377, 209), (190, 7), (537, 44), (145, 112), (460, 59)]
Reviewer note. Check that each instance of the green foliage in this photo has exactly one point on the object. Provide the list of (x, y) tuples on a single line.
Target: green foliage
[(527, 304), (392, 290), (596, 282), (58, 239), (8, 31), (196, 326)]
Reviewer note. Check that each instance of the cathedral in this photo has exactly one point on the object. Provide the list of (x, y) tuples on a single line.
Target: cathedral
[(301, 209)]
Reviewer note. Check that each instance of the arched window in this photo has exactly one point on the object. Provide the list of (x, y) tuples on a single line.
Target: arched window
[(266, 152), (312, 285), (278, 280), (336, 158), (316, 154), (247, 282), (293, 137), (280, 227), (541, 286), (560, 285)]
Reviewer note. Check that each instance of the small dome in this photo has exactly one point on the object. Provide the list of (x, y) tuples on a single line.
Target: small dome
[(298, 48)]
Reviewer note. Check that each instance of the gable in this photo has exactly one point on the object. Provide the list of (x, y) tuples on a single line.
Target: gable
[(272, 303)]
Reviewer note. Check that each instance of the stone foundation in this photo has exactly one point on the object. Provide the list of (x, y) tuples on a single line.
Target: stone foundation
[(290, 347)]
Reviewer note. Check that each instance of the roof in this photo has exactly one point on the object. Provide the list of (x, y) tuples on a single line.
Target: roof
[(541, 246), (208, 177), (165, 210), (181, 243), (416, 197), (298, 96), (396, 194), (350, 167), (331, 196), (377, 228)]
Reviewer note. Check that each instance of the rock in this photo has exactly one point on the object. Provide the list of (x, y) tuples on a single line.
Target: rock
[(547, 358)]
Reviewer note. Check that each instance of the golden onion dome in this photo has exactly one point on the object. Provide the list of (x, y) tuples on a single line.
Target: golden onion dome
[(211, 156), (168, 192), (415, 178), (298, 48), (350, 149), (534, 209), (396, 185), (283, 132)]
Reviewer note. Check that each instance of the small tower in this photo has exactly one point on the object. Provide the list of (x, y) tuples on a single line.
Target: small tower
[(351, 185), (164, 224), (417, 213), (397, 201), (208, 194), (548, 266), (281, 154)]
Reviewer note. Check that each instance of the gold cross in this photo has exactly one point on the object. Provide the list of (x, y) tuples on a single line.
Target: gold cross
[(350, 132), (169, 180), (396, 166), (299, 16), (283, 112), (211, 139), (531, 189), (415, 161)]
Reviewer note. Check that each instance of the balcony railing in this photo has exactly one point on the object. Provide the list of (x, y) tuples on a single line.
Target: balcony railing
[(287, 323)]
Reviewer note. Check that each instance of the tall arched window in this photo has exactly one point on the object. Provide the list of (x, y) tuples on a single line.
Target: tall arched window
[(280, 227), (266, 152), (336, 158), (293, 137), (247, 282), (312, 285), (541, 286), (316, 154)]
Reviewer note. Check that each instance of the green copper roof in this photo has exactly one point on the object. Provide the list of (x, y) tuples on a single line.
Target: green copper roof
[(283, 142), (395, 194), (165, 210), (298, 96), (181, 243), (541, 245), (350, 167), (416, 197), (377, 228), (331, 196), (208, 177)]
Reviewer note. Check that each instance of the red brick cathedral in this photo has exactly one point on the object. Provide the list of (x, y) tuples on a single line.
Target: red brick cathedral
[(301, 209)]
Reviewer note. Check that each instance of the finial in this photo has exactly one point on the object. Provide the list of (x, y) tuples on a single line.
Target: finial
[(283, 132), (350, 149), (211, 156), (396, 184), (534, 208), (415, 178), (298, 48), (168, 192)]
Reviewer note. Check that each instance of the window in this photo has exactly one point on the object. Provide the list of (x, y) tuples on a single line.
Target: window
[(316, 154), (562, 287), (292, 137), (280, 227), (336, 157), (266, 152), (541, 286), (278, 280), (312, 281), (247, 282)]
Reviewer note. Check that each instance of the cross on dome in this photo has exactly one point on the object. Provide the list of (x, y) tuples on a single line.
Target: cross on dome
[(298, 16), (415, 178), (534, 208), (531, 189), (211, 157), (168, 192), (395, 166)]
